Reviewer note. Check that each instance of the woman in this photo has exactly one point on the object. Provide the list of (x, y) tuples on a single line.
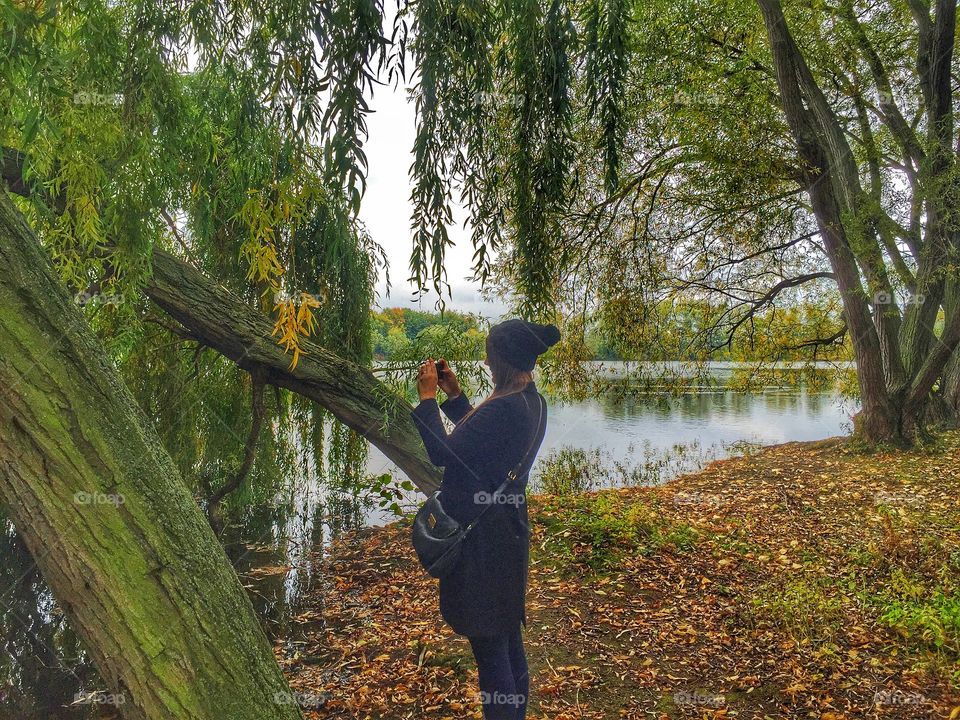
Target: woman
[(483, 598)]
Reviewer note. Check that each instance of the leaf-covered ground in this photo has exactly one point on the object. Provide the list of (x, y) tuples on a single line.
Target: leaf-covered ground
[(806, 580)]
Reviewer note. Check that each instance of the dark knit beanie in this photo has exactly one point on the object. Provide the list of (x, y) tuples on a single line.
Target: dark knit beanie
[(519, 342)]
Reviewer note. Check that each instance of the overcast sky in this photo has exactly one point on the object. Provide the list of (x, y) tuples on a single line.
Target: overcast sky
[(386, 211)]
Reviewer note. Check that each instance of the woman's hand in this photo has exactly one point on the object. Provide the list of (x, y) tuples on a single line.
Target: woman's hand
[(448, 379), (427, 380)]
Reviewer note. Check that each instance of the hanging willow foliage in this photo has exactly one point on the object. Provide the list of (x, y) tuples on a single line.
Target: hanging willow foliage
[(231, 134), (236, 119), (495, 101)]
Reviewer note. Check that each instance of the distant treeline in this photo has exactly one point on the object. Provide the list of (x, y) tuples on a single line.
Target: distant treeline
[(396, 330), (668, 331)]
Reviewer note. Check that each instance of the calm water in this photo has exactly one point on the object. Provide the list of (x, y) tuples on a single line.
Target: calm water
[(677, 434), (42, 666), (706, 418)]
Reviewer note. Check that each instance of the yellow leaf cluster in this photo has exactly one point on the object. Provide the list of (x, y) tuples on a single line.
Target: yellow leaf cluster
[(295, 320)]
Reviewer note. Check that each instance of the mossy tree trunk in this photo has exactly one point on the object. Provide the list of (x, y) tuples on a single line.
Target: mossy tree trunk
[(950, 382), (121, 542)]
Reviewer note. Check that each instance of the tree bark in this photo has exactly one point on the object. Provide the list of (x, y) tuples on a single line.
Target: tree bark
[(898, 360), (950, 381), (100, 505), (951, 391), (827, 184), (350, 391)]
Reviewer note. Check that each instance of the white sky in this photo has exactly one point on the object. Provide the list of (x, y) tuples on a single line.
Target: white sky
[(386, 211)]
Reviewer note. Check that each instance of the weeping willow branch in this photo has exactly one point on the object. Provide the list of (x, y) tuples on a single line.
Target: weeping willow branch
[(237, 331)]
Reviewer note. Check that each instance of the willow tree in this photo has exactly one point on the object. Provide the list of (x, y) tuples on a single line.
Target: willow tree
[(623, 155), (108, 520), (230, 135), (900, 357)]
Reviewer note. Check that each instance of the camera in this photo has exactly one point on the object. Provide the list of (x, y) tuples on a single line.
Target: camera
[(439, 369)]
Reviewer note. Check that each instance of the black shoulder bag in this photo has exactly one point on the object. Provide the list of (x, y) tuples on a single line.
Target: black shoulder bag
[(438, 538)]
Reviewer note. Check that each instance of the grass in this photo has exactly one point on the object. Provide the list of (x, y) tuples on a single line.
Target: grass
[(599, 531), (806, 610)]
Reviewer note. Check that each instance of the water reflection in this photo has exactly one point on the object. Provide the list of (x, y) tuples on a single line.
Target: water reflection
[(708, 419), (636, 430), (43, 666), (277, 555)]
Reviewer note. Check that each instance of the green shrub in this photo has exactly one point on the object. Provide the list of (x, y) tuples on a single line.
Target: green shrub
[(933, 621)]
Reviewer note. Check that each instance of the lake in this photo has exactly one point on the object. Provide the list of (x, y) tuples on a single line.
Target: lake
[(660, 438)]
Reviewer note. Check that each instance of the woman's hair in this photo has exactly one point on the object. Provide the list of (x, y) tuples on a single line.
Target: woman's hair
[(507, 378)]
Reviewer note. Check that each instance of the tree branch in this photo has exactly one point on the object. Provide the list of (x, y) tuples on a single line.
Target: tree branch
[(214, 317)]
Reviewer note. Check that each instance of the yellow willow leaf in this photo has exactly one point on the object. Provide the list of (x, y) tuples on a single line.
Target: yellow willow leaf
[(295, 320), (288, 339), (302, 314), (296, 358)]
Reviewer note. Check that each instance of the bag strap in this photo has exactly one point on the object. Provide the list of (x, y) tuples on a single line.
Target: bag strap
[(517, 469)]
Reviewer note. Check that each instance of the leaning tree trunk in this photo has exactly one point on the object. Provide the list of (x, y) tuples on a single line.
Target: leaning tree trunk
[(211, 315), (895, 394), (100, 505), (950, 390)]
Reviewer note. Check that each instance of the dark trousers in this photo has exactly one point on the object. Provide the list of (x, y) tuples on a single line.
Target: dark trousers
[(504, 679)]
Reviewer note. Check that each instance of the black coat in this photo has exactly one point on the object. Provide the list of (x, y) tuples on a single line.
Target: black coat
[(484, 595)]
